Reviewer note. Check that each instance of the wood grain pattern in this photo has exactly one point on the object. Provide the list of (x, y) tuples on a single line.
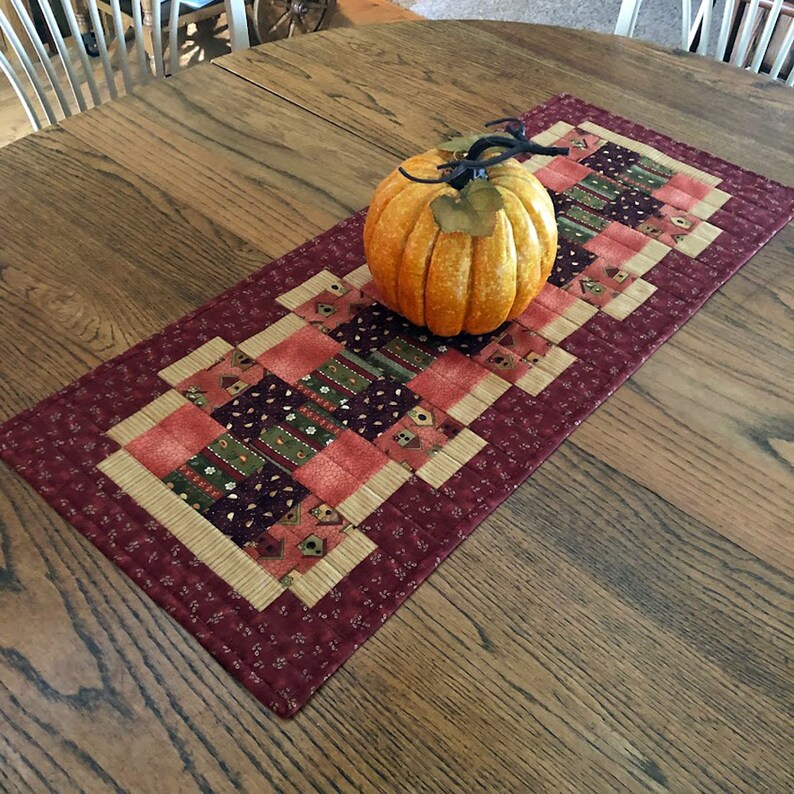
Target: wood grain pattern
[(621, 623), (527, 65), (221, 195)]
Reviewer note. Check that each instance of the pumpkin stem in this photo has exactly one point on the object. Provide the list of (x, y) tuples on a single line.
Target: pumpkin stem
[(461, 172)]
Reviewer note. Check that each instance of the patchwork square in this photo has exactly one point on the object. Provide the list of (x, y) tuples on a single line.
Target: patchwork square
[(572, 258), (194, 428), (304, 535), (404, 357), (377, 408), (581, 143), (611, 160), (356, 455), (222, 381), (631, 208), (512, 355), (256, 504), (562, 173), (578, 225), (682, 191), (288, 447), (202, 480), (262, 407), (333, 307), (599, 283), (159, 451), (337, 380), (371, 329), (237, 456), (328, 480), (450, 379), (646, 174), (418, 436), (299, 354)]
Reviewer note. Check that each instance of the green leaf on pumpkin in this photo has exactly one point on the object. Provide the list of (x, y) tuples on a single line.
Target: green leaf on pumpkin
[(461, 144), (473, 211)]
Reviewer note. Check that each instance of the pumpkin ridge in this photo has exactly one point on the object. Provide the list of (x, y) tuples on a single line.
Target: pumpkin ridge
[(403, 217), (407, 288), (426, 274), (446, 300), (369, 226), (517, 185), (528, 283), (492, 293), (394, 181), (469, 287)]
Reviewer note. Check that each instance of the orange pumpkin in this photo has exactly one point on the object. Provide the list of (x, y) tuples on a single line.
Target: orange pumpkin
[(453, 281)]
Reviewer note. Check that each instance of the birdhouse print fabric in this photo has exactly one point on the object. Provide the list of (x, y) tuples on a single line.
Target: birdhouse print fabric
[(283, 467)]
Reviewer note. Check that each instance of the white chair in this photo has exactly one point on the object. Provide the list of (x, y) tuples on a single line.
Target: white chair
[(753, 34), (51, 88)]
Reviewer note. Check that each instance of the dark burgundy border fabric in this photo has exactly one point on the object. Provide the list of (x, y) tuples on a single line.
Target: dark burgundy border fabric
[(283, 653)]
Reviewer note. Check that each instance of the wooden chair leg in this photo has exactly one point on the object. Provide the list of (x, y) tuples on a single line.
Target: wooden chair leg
[(148, 34), (148, 45)]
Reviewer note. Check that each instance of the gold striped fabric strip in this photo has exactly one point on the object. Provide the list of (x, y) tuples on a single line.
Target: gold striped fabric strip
[(320, 282), (534, 381), (481, 397), (464, 446), (386, 481), (370, 496), (201, 358), (580, 312), (361, 504), (273, 335), (456, 453), (706, 207), (698, 240), (556, 361), (650, 256), (550, 136), (311, 586), (355, 548), (490, 388), (438, 469), (359, 277), (467, 409), (558, 329), (633, 296), (205, 541), (537, 161)]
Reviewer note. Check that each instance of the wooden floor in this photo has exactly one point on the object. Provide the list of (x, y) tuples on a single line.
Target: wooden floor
[(196, 47)]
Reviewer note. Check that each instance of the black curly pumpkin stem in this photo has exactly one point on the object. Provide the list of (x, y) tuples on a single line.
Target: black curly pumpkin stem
[(461, 172)]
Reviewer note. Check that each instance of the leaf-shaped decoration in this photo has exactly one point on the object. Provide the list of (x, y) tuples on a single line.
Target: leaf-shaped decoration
[(460, 144), (473, 211)]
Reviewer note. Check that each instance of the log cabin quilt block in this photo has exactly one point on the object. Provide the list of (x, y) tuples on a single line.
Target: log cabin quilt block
[(283, 467)]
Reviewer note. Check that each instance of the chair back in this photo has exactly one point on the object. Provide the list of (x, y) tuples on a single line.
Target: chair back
[(757, 35), (54, 86)]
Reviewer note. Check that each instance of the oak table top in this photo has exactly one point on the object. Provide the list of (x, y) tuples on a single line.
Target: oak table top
[(628, 631)]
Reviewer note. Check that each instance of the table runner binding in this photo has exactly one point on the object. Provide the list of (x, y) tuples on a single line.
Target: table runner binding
[(281, 468)]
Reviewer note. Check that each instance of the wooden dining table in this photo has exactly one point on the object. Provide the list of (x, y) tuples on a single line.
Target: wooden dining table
[(629, 624)]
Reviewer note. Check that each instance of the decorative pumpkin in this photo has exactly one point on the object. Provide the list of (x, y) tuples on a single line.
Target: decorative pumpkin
[(458, 243)]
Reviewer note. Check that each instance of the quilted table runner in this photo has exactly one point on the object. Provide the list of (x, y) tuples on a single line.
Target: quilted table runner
[(283, 467)]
